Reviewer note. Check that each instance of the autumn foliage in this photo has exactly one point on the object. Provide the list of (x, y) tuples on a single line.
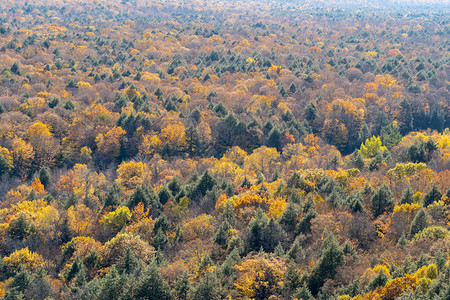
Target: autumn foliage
[(224, 150)]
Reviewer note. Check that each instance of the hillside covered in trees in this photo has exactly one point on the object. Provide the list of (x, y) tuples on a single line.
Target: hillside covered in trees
[(224, 149)]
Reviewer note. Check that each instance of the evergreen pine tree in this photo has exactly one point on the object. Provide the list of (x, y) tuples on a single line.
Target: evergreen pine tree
[(440, 260), (419, 223), (422, 260), (45, 177), (375, 162), (227, 268), (283, 92), (208, 288), (292, 88), (356, 202), (390, 136), (272, 235), (146, 195), (408, 266), (112, 198), (260, 178), (13, 294), (289, 216), (221, 237), (358, 160), (175, 185), (15, 69), (304, 226), (379, 280), (178, 235), (20, 228), (194, 146), (277, 175), (69, 105), (332, 257), (74, 269), (433, 195), (335, 198), (39, 287), (128, 263), (228, 214), (32, 196), (256, 229), (151, 285), (206, 183), (274, 139), (353, 289), (303, 293), (295, 250), (246, 182), (164, 195), (160, 240), (80, 279), (406, 118), (5, 166), (407, 196), (279, 251), (21, 280), (437, 287), (182, 287), (161, 223), (310, 112), (292, 280), (381, 201), (295, 181), (402, 241), (363, 134)]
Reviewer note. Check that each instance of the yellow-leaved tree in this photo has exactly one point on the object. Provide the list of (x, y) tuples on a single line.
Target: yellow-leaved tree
[(109, 144), (174, 136), (6, 161), (26, 258), (263, 159), (44, 144), (22, 154), (81, 181), (117, 219), (259, 276), (131, 174), (371, 147)]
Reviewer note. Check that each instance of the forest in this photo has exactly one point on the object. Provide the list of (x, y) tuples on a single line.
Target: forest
[(224, 149)]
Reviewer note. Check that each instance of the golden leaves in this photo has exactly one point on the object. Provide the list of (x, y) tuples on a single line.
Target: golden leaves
[(385, 80), (117, 218), (259, 272), (175, 135), (226, 168), (109, 144), (371, 147), (22, 154), (83, 84), (404, 169), (38, 130), (263, 159), (276, 207), (38, 187), (274, 70), (200, 227), (24, 257), (80, 219), (131, 174)]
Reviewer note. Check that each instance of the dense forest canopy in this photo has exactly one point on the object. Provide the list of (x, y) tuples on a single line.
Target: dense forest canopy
[(224, 149)]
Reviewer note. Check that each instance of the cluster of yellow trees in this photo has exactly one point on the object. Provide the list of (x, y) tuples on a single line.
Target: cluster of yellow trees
[(208, 150)]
